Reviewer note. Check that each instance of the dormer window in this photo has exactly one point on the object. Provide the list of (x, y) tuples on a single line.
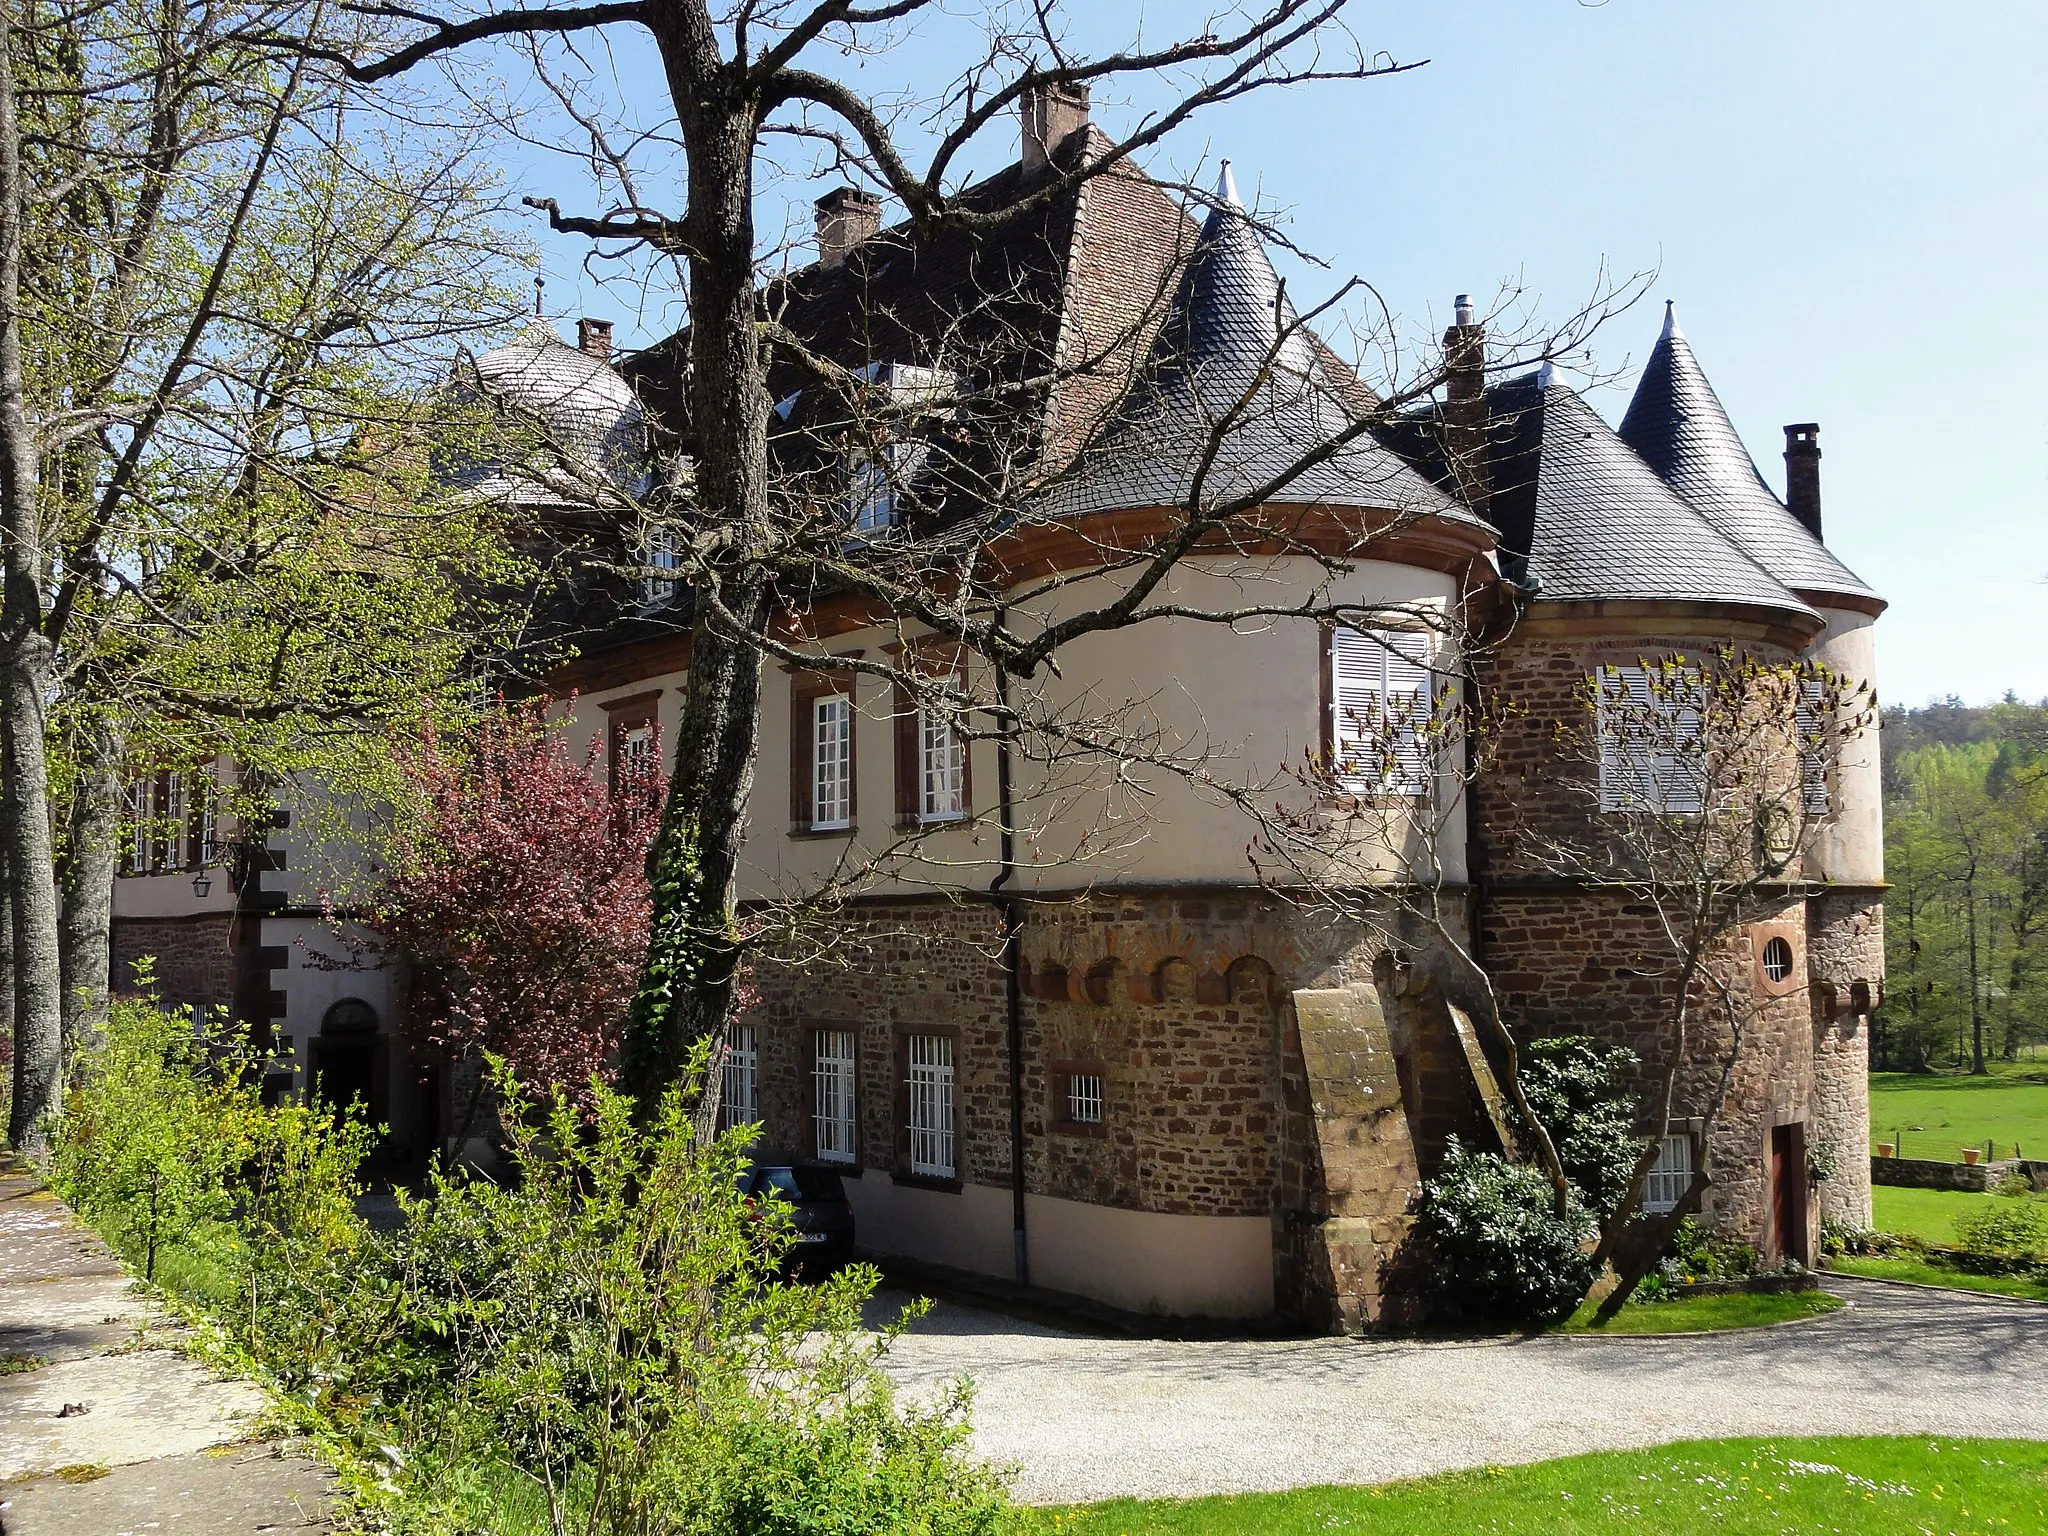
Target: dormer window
[(894, 453), (660, 550)]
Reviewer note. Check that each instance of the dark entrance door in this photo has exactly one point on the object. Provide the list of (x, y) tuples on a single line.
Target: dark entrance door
[(343, 1072), (1788, 1191)]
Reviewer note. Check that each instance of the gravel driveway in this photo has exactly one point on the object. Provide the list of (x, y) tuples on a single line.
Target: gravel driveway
[(1085, 1418)]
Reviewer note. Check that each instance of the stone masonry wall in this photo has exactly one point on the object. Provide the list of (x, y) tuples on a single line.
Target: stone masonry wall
[(1845, 964), (194, 964)]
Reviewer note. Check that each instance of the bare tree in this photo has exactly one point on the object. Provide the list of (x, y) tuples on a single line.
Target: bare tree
[(229, 277), (763, 425)]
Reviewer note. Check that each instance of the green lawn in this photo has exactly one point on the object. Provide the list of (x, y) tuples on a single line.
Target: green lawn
[(1928, 1214), (1921, 1272), (1701, 1314), (1908, 1486), (1937, 1117)]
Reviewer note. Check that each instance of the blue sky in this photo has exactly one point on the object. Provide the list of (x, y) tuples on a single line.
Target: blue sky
[(1846, 200)]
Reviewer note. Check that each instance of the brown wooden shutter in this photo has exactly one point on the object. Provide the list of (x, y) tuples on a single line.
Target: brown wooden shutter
[(800, 766)]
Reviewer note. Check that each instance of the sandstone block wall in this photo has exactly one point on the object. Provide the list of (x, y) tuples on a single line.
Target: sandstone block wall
[(194, 961)]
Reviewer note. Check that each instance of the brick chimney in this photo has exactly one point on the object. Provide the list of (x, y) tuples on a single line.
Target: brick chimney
[(1052, 114), (595, 337), (1465, 403), (846, 216), (1802, 473)]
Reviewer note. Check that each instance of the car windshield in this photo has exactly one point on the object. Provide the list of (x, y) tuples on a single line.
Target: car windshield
[(796, 1184)]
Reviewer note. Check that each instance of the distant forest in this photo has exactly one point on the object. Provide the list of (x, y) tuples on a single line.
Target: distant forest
[(1966, 920)]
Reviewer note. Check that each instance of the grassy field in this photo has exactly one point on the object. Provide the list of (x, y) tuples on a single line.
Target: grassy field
[(1869, 1487), (1920, 1272), (1937, 1117), (1928, 1214), (1702, 1314)]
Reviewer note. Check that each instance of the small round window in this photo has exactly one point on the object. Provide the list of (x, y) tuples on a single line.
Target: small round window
[(1778, 960)]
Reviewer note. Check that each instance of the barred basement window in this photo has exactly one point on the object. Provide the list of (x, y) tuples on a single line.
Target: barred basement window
[(1670, 1177), (831, 762), (931, 1106), (832, 1092), (1084, 1098), (1777, 959), (741, 1102)]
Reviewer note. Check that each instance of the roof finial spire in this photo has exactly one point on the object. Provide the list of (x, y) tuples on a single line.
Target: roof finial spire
[(539, 283), (1546, 376), (1226, 189), (1671, 330)]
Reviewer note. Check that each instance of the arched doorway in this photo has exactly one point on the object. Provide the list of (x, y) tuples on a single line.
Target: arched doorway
[(348, 1059)]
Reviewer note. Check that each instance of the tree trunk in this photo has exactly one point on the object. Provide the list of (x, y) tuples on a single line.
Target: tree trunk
[(25, 674), (92, 852), (686, 992), (1976, 986)]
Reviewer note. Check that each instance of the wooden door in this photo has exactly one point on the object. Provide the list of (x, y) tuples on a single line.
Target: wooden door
[(1788, 1191)]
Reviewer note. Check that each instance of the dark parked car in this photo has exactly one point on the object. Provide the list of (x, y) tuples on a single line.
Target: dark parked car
[(820, 1213)]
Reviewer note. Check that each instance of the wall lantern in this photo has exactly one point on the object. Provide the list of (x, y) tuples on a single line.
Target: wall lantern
[(201, 884)]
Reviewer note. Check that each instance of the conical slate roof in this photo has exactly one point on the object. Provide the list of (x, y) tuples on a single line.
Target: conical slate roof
[(1583, 519), (1677, 425), (1232, 350)]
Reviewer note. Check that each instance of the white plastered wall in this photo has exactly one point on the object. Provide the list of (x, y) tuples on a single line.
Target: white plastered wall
[(1851, 848)]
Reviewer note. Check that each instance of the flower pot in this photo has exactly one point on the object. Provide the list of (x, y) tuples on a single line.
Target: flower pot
[(1970, 1156), (1886, 1149)]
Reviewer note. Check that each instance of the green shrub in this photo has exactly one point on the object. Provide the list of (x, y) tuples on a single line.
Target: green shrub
[(1579, 1091), (1504, 1250), (1697, 1255), (2005, 1227), (2015, 1186)]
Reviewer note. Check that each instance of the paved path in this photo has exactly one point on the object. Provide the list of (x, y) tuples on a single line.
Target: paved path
[(162, 1444), (1089, 1418)]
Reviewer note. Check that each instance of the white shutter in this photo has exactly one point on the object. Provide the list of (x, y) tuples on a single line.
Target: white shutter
[(1649, 744), (1380, 700), (1813, 755)]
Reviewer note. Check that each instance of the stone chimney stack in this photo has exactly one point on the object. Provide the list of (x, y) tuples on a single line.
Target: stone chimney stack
[(1802, 473), (1052, 114), (595, 337), (846, 216), (1465, 403)]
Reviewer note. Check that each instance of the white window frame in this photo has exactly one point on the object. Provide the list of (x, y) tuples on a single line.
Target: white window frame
[(1636, 776), (831, 762), (636, 746), (1382, 695), (876, 476), (740, 1102), (835, 1063), (660, 548), (204, 788), (933, 1151), (941, 769), (141, 796), (1084, 1098), (176, 831), (1670, 1176)]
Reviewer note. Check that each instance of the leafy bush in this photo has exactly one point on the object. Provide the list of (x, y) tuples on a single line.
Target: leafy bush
[(1504, 1249), (1579, 1091), (2015, 1186), (2006, 1227)]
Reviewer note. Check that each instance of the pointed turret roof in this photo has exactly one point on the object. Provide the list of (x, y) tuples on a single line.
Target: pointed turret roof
[(1677, 425), (1233, 350), (1583, 519)]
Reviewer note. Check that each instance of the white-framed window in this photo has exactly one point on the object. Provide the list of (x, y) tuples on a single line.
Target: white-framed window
[(831, 761), (740, 1103), (176, 833), (832, 1083), (1651, 755), (1084, 1098), (931, 1106), (660, 550), (871, 491), (1670, 1177), (636, 749), (141, 798), (205, 819), (942, 768), (1380, 703), (1813, 747), (877, 475)]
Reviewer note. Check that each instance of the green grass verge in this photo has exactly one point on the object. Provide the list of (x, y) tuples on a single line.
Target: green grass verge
[(1920, 1272), (1938, 1116), (1702, 1314), (1905, 1486), (1928, 1214)]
